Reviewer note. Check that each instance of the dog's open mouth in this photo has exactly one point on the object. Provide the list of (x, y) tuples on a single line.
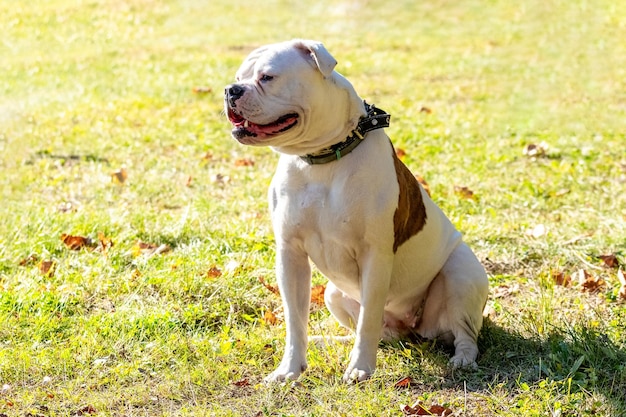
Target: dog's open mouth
[(243, 127)]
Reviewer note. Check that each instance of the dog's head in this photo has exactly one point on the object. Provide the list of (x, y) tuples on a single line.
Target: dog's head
[(288, 96)]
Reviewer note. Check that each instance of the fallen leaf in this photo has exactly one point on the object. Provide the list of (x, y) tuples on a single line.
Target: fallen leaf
[(622, 281), (119, 176), (270, 318), (105, 242), (404, 382), (201, 90), (425, 109), (534, 150), (588, 282), (317, 294), (29, 260), (610, 261), (439, 410), (419, 409), (214, 272), (89, 409), (143, 248), (561, 278), (272, 288), (244, 162), (47, 268), (242, 383), (76, 242), (400, 153), (464, 192), (424, 184), (317, 291), (189, 181)]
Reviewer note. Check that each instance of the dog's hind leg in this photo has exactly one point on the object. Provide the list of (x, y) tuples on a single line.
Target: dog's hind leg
[(343, 308), (455, 303)]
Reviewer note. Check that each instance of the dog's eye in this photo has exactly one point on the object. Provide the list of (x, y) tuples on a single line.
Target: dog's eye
[(265, 78)]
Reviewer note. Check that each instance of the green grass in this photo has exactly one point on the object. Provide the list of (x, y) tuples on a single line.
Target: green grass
[(90, 87)]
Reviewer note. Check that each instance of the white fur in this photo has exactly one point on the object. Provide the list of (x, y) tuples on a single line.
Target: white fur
[(340, 215)]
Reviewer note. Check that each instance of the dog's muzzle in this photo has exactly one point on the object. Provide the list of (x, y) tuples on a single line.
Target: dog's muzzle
[(232, 93)]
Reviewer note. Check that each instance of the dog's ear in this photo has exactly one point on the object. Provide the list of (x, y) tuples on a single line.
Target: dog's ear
[(323, 59)]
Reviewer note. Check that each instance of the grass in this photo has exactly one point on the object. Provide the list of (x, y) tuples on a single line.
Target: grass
[(89, 88)]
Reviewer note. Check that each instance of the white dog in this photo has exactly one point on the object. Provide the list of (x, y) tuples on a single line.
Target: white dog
[(341, 198)]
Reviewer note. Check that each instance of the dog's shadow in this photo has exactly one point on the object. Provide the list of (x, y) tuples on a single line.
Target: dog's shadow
[(580, 359)]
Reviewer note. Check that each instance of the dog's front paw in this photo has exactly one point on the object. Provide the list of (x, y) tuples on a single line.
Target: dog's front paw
[(354, 375), (286, 372), (360, 368)]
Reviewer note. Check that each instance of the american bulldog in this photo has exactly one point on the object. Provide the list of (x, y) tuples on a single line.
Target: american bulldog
[(341, 198)]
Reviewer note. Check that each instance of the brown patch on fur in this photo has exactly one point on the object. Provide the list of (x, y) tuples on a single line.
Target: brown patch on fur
[(410, 216)]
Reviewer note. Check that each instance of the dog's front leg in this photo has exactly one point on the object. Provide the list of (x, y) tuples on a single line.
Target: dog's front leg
[(375, 278), (293, 273)]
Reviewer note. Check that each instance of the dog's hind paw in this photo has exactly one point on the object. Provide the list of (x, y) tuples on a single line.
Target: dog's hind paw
[(464, 359)]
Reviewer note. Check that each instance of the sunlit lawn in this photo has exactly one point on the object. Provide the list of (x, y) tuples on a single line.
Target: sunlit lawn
[(111, 128)]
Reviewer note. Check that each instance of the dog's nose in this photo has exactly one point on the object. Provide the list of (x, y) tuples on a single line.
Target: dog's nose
[(233, 93)]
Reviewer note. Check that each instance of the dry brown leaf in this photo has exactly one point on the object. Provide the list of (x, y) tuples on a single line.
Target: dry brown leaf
[(214, 272), (464, 192), (622, 281), (105, 242), (29, 260), (77, 242), (588, 282), (201, 90), (119, 176), (425, 109), (189, 181), (317, 294), (270, 318), (610, 260), (419, 409), (47, 268), (400, 153), (424, 184), (244, 162), (143, 248), (404, 382), (561, 278), (272, 288), (244, 382), (85, 410)]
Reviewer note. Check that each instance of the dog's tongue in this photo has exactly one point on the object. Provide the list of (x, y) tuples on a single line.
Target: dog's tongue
[(272, 128)]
